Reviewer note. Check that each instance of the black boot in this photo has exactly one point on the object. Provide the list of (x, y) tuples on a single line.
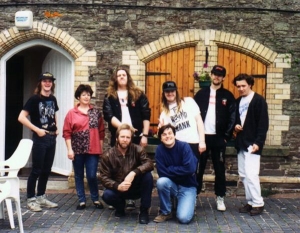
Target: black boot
[(143, 216)]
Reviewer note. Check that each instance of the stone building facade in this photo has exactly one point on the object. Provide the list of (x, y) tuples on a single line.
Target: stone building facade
[(99, 35)]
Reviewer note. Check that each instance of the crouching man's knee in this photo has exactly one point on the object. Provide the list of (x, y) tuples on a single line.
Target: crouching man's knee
[(162, 183), (184, 219)]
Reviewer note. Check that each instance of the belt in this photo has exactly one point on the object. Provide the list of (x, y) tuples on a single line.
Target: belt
[(51, 132)]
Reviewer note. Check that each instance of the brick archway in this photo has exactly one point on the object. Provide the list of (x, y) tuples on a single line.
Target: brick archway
[(84, 59), (276, 90), (208, 38)]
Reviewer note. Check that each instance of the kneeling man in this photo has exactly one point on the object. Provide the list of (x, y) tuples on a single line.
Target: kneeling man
[(125, 172), (176, 167)]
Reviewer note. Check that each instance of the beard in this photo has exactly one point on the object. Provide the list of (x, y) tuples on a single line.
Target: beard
[(123, 146), (217, 82)]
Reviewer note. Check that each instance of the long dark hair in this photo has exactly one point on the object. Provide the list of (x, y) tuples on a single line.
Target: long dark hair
[(133, 91), (38, 88)]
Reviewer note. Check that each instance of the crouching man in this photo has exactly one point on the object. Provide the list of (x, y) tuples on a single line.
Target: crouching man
[(125, 172), (176, 167)]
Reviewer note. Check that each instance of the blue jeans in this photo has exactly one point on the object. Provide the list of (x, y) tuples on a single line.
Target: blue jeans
[(141, 187), (186, 197), (90, 162), (43, 151)]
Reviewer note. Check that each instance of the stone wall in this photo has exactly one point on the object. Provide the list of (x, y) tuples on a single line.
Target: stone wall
[(107, 29)]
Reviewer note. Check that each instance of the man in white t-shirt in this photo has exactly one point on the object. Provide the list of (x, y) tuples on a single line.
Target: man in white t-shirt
[(217, 106), (126, 103), (184, 115), (252, 123)]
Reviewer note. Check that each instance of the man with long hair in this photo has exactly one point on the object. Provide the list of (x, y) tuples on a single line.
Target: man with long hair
[(184, 115), (41, 108), (126, 103)]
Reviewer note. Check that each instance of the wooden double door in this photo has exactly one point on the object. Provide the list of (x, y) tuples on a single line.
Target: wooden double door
[(179, 66)]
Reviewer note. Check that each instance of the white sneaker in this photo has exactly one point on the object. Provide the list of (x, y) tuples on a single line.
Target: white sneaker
[(44, 202), (111, 207), (220, 204), (33, 205)]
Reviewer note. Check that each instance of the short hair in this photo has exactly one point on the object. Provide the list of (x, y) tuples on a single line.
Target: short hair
[(164, 127), (248, 78), (125, 126), (83, 88)]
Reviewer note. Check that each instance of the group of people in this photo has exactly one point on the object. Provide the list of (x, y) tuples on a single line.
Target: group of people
[(190, 129)]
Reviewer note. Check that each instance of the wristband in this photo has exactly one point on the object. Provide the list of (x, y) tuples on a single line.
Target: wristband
[(145, 135)]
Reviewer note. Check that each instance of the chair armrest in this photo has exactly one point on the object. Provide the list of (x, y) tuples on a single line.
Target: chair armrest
[(12, 172)]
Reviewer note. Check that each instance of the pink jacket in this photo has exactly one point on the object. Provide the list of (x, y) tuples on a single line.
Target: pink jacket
[(84, 130)]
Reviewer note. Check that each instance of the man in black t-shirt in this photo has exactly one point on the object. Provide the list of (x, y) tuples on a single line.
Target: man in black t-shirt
[(41, 108)]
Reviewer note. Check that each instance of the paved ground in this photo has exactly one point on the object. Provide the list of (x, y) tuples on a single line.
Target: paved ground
[(281, 214)]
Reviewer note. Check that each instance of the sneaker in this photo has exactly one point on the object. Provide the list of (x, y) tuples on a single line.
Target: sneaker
[(162, 217), (44, 202), (245, 209), (33, 205), (130, 205), (110, 207), (256, 210), (220, 204), (144, 216)]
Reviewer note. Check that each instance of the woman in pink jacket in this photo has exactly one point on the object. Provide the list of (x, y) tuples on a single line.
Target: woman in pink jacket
[(84, 133)]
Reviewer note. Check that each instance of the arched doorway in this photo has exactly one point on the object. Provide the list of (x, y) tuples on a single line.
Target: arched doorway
[(20, 68)]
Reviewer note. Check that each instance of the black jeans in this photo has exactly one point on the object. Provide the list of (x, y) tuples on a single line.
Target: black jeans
[(141, 188), (195, 149), (217, 146), (43, 151)]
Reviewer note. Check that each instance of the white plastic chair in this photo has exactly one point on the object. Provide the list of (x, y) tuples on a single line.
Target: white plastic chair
[(9, 183)]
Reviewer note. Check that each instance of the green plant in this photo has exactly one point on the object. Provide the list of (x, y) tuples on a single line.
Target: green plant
[(203, 75)]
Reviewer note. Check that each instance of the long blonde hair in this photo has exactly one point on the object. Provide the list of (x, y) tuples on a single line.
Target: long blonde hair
[(165, 105), (133, 91)]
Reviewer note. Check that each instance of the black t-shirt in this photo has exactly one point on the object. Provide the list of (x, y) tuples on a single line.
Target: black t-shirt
[(42, 111)]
